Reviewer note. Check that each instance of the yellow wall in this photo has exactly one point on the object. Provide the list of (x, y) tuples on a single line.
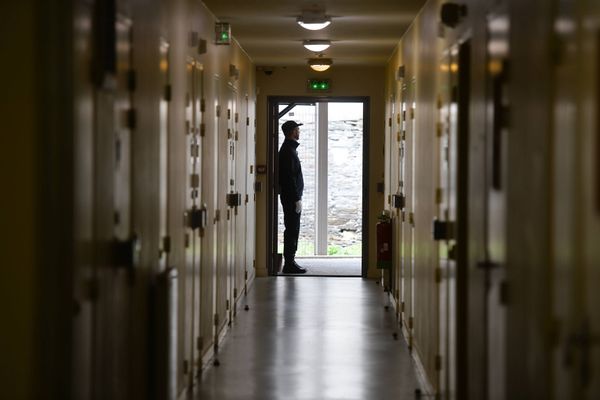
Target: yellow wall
[(346, 81), (17, 208)]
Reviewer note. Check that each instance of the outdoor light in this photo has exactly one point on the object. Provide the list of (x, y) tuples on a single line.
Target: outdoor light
[(313, 21), (320, 64), (317, 45)]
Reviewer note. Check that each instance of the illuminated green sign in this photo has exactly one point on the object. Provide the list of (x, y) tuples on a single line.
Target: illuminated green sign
[(222, 33), (319, 85)]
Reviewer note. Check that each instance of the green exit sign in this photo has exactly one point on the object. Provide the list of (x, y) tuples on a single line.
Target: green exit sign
[(319, 85), (222, 33)]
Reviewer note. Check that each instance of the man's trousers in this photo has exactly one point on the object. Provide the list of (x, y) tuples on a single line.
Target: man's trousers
[(291, 221)]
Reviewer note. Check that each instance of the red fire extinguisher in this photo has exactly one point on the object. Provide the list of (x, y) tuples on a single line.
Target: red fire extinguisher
[(384, 242)]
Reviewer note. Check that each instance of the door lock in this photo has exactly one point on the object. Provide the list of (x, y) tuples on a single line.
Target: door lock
[(443, 230), (197, 217)]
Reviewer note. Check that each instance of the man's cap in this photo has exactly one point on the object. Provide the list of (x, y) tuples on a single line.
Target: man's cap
[(288, 126)]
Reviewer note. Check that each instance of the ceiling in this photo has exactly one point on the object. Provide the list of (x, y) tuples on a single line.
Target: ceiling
[(363, 32)]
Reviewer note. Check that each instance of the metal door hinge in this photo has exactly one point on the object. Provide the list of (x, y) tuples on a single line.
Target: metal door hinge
[(131, 118), (217, 216), (166, 244), (439, 129), (229, 137), (247, 121), (216, 319), (218, 111), (228, 215), (438, 362), (398, 118), (412, 113), (199, 343), (439, 192), (503, 293), (237, 117), (202, 105), (186, 240), (229, 113), (194, 180), (202, 129), (253, 263), (168, 91), (390, 121), (402, 306), (246, 275), (410, 322), (452, 252), (411, 219), (194, 150), (227, 304), (235, 293), (131, 80)]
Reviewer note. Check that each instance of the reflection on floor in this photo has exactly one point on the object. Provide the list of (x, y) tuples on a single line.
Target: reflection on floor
[(312, 339), (331, 266)]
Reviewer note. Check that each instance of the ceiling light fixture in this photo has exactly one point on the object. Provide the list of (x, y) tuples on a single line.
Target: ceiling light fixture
[(313, 21), (317, 45), (320, 64)]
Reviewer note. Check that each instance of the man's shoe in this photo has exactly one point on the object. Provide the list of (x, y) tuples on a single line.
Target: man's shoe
[(298, 266), (293, 269)]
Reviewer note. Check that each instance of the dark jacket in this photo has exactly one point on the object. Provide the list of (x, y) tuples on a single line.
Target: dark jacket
[(291, 182)]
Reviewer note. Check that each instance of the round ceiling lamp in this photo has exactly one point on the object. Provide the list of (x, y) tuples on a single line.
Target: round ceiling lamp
[(314, 20), (316, 46), (320, 64)]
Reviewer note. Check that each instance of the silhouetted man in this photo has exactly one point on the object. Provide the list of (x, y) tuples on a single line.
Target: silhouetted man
[(291, 185)]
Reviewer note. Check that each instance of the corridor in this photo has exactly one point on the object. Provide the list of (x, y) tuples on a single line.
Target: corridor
[(309, 338), (143, 189)]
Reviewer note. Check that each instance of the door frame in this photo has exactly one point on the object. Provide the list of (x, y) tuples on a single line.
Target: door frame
[(272, 168)]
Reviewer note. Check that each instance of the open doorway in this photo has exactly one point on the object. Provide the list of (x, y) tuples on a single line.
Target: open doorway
[(332, 152)]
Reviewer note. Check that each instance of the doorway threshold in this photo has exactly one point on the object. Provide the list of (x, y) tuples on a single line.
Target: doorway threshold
[(330, 266)]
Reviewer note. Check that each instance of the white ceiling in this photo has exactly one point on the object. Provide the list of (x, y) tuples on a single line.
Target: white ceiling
[(363, 32)]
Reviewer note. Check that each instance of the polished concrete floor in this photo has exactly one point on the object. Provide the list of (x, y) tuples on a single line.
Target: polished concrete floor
[(311, 338)]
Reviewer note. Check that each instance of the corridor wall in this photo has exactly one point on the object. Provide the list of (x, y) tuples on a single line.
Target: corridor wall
[(137, 257), (491, 141)]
